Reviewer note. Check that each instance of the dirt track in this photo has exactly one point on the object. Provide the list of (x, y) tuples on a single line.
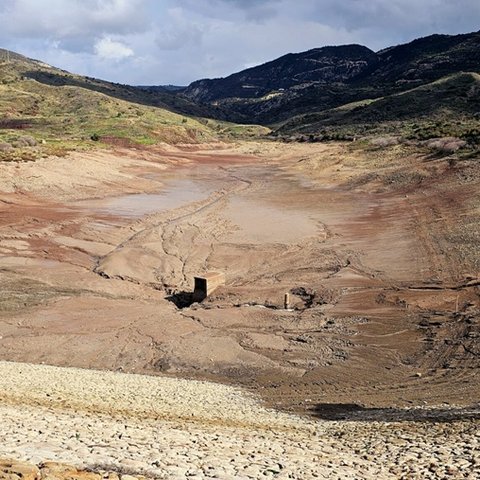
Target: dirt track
[(380, 256)]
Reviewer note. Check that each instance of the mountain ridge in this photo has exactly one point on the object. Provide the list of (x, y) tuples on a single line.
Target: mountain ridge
[(358, 74), (318, 65), (300, 92)]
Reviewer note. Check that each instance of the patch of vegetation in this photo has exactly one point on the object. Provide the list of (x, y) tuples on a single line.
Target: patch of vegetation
[(234, 130), (21, 293)]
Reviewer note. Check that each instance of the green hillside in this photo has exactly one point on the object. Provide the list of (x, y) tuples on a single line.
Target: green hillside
[(41, 119), (449, 106)]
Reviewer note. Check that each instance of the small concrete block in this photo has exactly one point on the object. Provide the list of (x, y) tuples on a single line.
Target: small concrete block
[(206, 284)]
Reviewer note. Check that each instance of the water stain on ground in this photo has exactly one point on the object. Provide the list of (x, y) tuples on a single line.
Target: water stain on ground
[(175, 194)]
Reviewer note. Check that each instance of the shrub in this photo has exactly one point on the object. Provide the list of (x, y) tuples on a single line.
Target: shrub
[(472, 137), (5, 147), (446, 144), (24, 141), (95, 137), (382, 142)]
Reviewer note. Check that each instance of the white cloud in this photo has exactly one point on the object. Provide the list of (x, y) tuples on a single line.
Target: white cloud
[(111, 50)]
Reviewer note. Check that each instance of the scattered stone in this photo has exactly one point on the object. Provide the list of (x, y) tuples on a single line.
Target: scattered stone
[(112, 426), (15, 470)]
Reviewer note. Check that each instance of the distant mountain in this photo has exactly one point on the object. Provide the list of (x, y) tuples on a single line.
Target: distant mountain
[(161, 88), (425, 60), (452, 99), (327, 65), (424, 88), (325, 78)]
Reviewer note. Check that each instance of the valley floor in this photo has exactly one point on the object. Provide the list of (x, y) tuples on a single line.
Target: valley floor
[(378, 249)]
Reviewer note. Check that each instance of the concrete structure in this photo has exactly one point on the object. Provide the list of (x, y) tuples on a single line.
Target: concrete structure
[(286, 301), (206, 284)]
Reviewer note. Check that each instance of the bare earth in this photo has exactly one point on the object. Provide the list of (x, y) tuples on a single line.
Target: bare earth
[(379, 252)]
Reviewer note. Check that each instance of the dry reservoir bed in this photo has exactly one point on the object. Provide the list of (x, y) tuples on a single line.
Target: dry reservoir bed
[(98, 263)]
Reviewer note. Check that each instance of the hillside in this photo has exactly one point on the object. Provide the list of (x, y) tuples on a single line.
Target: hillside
[(425, 60), (46, 111), (21, 66), (326, 78), (448, 106), (331, 92)]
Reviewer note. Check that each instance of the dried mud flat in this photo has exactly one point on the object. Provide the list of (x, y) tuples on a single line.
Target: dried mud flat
[(379, 251)]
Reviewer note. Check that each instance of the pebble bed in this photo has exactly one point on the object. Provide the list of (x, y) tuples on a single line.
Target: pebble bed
[(169, 428)]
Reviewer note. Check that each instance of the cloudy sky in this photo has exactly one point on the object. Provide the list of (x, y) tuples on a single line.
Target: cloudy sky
[(155, 42)]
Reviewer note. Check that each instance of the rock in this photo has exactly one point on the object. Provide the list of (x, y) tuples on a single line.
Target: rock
[(13, 470), (60, 471)]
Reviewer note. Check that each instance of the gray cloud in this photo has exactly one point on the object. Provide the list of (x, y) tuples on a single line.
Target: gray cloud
[(178, 32), (254, 10), (387, 21), (233, 10), (178, 41)]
